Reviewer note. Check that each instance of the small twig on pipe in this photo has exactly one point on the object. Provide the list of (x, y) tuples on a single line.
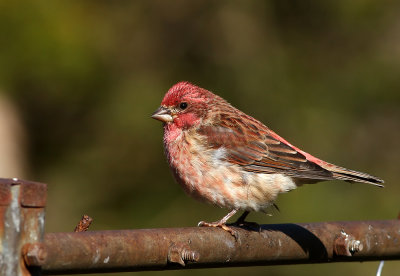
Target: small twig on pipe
[(83, 224)]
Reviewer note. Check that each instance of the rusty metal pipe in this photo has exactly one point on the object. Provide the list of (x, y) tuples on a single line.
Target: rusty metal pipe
[(201, 247)]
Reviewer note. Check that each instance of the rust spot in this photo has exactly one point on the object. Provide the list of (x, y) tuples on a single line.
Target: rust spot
[(179, 253), (5, 192), (34, 254), (346, 245), (33, 194)]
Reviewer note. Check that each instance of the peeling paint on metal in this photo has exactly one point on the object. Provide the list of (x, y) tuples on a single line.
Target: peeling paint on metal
[(230, 243), (10, 246), (96, 257), (15, 208)]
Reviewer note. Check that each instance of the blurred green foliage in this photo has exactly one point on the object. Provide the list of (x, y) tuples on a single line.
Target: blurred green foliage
[(86, 75)]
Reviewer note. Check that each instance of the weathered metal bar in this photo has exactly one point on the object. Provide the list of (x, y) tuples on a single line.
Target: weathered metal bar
[(200, 247), (21, 226)]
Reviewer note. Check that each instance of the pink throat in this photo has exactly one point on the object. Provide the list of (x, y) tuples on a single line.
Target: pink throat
[(171, 132)]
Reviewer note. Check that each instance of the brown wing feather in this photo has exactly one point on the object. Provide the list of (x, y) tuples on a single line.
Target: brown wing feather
[(248, 144), (258, 149)]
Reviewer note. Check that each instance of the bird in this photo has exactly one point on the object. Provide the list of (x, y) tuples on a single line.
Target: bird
[(222, 156)]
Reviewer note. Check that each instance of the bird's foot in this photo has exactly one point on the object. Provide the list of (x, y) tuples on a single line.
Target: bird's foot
[(221, 225)]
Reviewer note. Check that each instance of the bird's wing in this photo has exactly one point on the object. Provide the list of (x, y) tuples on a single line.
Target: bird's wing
[(250, 144)]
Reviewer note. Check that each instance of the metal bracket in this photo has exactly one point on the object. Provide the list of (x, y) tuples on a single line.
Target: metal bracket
[(21, 226)]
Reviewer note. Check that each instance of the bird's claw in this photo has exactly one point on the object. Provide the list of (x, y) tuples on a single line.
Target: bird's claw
[(220, 225)]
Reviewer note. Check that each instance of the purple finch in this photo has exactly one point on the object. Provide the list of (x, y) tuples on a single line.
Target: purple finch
[(225, 157)]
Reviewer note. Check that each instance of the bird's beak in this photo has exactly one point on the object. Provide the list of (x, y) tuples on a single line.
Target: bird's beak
[(162, 114)]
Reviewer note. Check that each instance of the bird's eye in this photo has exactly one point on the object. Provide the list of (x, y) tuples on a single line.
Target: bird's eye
[(183, 105)]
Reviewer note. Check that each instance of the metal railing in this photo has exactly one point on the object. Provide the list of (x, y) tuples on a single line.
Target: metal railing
[(26, 250)]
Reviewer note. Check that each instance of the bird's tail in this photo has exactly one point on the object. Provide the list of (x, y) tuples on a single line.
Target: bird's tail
[(354, 176)]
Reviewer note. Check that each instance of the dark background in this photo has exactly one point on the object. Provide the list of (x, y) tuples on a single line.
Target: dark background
[(80, 80)]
